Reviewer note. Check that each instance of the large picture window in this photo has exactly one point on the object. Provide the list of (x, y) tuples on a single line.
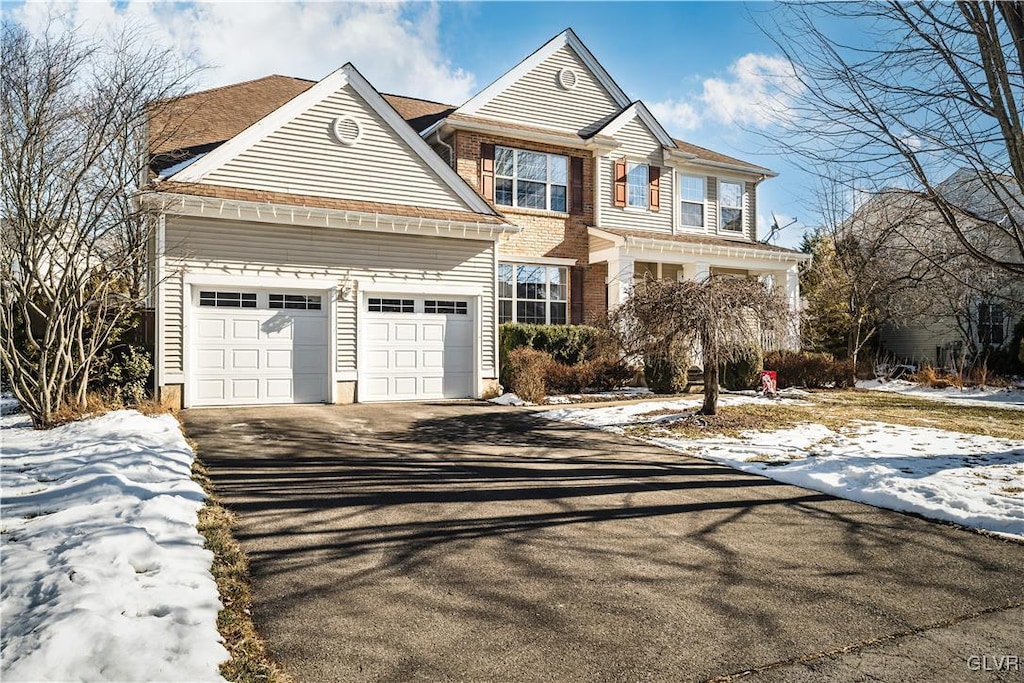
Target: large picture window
[(638, 180), (691, 196), (530, 180), (730, 203), (532, 294)]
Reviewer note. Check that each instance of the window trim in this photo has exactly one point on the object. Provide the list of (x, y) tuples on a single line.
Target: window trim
[(646, 206), (547, 182), (993, 310), (404, 305), (547, 300), (703, 204), (219, 298), (742, 207)]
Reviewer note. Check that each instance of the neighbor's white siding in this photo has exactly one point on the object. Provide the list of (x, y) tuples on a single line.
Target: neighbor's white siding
[(638, 145), (243, 249), (918, 343), (538, 99), (304, 158)]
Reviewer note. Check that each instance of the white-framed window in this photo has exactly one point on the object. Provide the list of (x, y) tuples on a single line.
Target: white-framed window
[(730, 206), (301, 302), (691, 201), (532, 294), (531, 180), (638, 183), (447, 307), (382, 305), (228, 299)]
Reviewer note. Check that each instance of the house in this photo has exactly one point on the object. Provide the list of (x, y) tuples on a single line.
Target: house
[(952, 305), (321, 241)]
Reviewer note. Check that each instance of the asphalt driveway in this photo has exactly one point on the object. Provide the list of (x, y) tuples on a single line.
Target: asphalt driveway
[(468, 542)]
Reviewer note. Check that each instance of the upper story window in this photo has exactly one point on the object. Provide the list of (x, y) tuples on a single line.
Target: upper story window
[(532, 294), (730, 206), (691, 196), (638, 185), (531, 180), (991, 324)]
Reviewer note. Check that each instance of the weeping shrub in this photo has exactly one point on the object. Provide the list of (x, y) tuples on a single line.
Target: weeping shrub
[(744, 372)]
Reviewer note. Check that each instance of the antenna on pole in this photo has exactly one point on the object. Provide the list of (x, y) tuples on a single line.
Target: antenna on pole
[(774, 231)]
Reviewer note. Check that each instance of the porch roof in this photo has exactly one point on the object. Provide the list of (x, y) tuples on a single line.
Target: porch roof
[(698, 244)]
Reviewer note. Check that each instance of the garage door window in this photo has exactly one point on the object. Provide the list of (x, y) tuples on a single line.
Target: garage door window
[(228, 299), (300, 302), (392, 306), (450, 307)]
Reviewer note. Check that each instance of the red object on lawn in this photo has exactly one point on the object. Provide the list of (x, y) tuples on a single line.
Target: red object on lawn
[(769, 382)]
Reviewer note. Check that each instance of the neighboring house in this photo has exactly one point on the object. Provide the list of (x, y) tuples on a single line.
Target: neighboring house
[(956, 306), (319, 241)]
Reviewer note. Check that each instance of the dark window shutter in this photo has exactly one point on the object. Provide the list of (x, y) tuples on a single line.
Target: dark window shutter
[(576, 294), (620, 182), (576, 185), (655, 179), (487, 170)]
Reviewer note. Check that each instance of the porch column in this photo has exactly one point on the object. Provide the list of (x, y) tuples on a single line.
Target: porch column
[(620, 279), (792, 284)]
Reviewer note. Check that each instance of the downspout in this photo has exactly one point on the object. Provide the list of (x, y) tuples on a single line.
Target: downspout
[(451, 152)]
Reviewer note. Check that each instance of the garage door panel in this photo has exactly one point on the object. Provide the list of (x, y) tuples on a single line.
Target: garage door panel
[(210, 328), (405, 359), (244, 389), (210, 389), (211, 359), (433, 360), (378, 332), (279, 389), (245, 359), (433, 386), (309, 388), (309, 360), (245, 329), (433, 332), (406, 386), (406, 332), (279, 359)]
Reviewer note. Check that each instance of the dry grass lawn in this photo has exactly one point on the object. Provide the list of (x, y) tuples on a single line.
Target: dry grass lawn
[(838, 409)]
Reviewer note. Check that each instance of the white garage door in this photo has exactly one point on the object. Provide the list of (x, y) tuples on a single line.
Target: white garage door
[(417, 348), (259, 346)]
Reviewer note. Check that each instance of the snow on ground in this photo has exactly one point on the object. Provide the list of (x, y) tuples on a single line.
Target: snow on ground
[(968, 479), (981, 397), (104, 575)]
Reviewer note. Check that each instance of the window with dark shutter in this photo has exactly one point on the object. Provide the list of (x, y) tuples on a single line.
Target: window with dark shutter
[(487, 170), (620, 182), (655, 184), (576, 185), (576, 294)]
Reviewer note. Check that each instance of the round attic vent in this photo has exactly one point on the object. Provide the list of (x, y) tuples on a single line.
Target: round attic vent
[(567, 78), (346, 130)]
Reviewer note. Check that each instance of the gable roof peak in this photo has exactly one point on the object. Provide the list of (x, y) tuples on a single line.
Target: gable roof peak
[(568, 38)]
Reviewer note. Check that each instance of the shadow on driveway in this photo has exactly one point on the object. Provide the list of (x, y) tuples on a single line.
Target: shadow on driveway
[(460, 541)]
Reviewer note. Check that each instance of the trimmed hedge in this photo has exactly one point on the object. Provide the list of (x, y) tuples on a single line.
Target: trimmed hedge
[(568, 344), (744, 373), (809, 370)]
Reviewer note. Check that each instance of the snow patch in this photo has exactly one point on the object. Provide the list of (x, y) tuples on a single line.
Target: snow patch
[(104, 574), (972, 480), (981, 397)]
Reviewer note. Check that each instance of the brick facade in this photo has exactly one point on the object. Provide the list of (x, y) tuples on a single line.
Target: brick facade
[(545, 233)]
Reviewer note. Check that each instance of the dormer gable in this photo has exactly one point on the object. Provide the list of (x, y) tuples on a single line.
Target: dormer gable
[(338, 139), (560, 86)]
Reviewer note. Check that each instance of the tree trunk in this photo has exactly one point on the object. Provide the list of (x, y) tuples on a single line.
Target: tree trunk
[(710, 389)]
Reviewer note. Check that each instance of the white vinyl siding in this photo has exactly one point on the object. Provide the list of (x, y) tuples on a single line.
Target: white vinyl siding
[(253, 249), (750, 211), (539, 100), (304, 158), (638, 146)]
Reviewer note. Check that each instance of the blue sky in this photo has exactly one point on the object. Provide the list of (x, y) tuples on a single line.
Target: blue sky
[(704, 68)]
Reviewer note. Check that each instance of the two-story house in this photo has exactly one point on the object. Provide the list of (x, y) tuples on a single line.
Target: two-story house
[(320, 241)]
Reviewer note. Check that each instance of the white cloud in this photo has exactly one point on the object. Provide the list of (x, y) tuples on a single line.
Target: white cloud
[(395, 45), (759, 91), (676, 114)]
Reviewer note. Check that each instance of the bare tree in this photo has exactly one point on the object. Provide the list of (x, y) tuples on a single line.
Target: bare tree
[(74, 148), (903, 93), (865, 272), (720, 317)]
